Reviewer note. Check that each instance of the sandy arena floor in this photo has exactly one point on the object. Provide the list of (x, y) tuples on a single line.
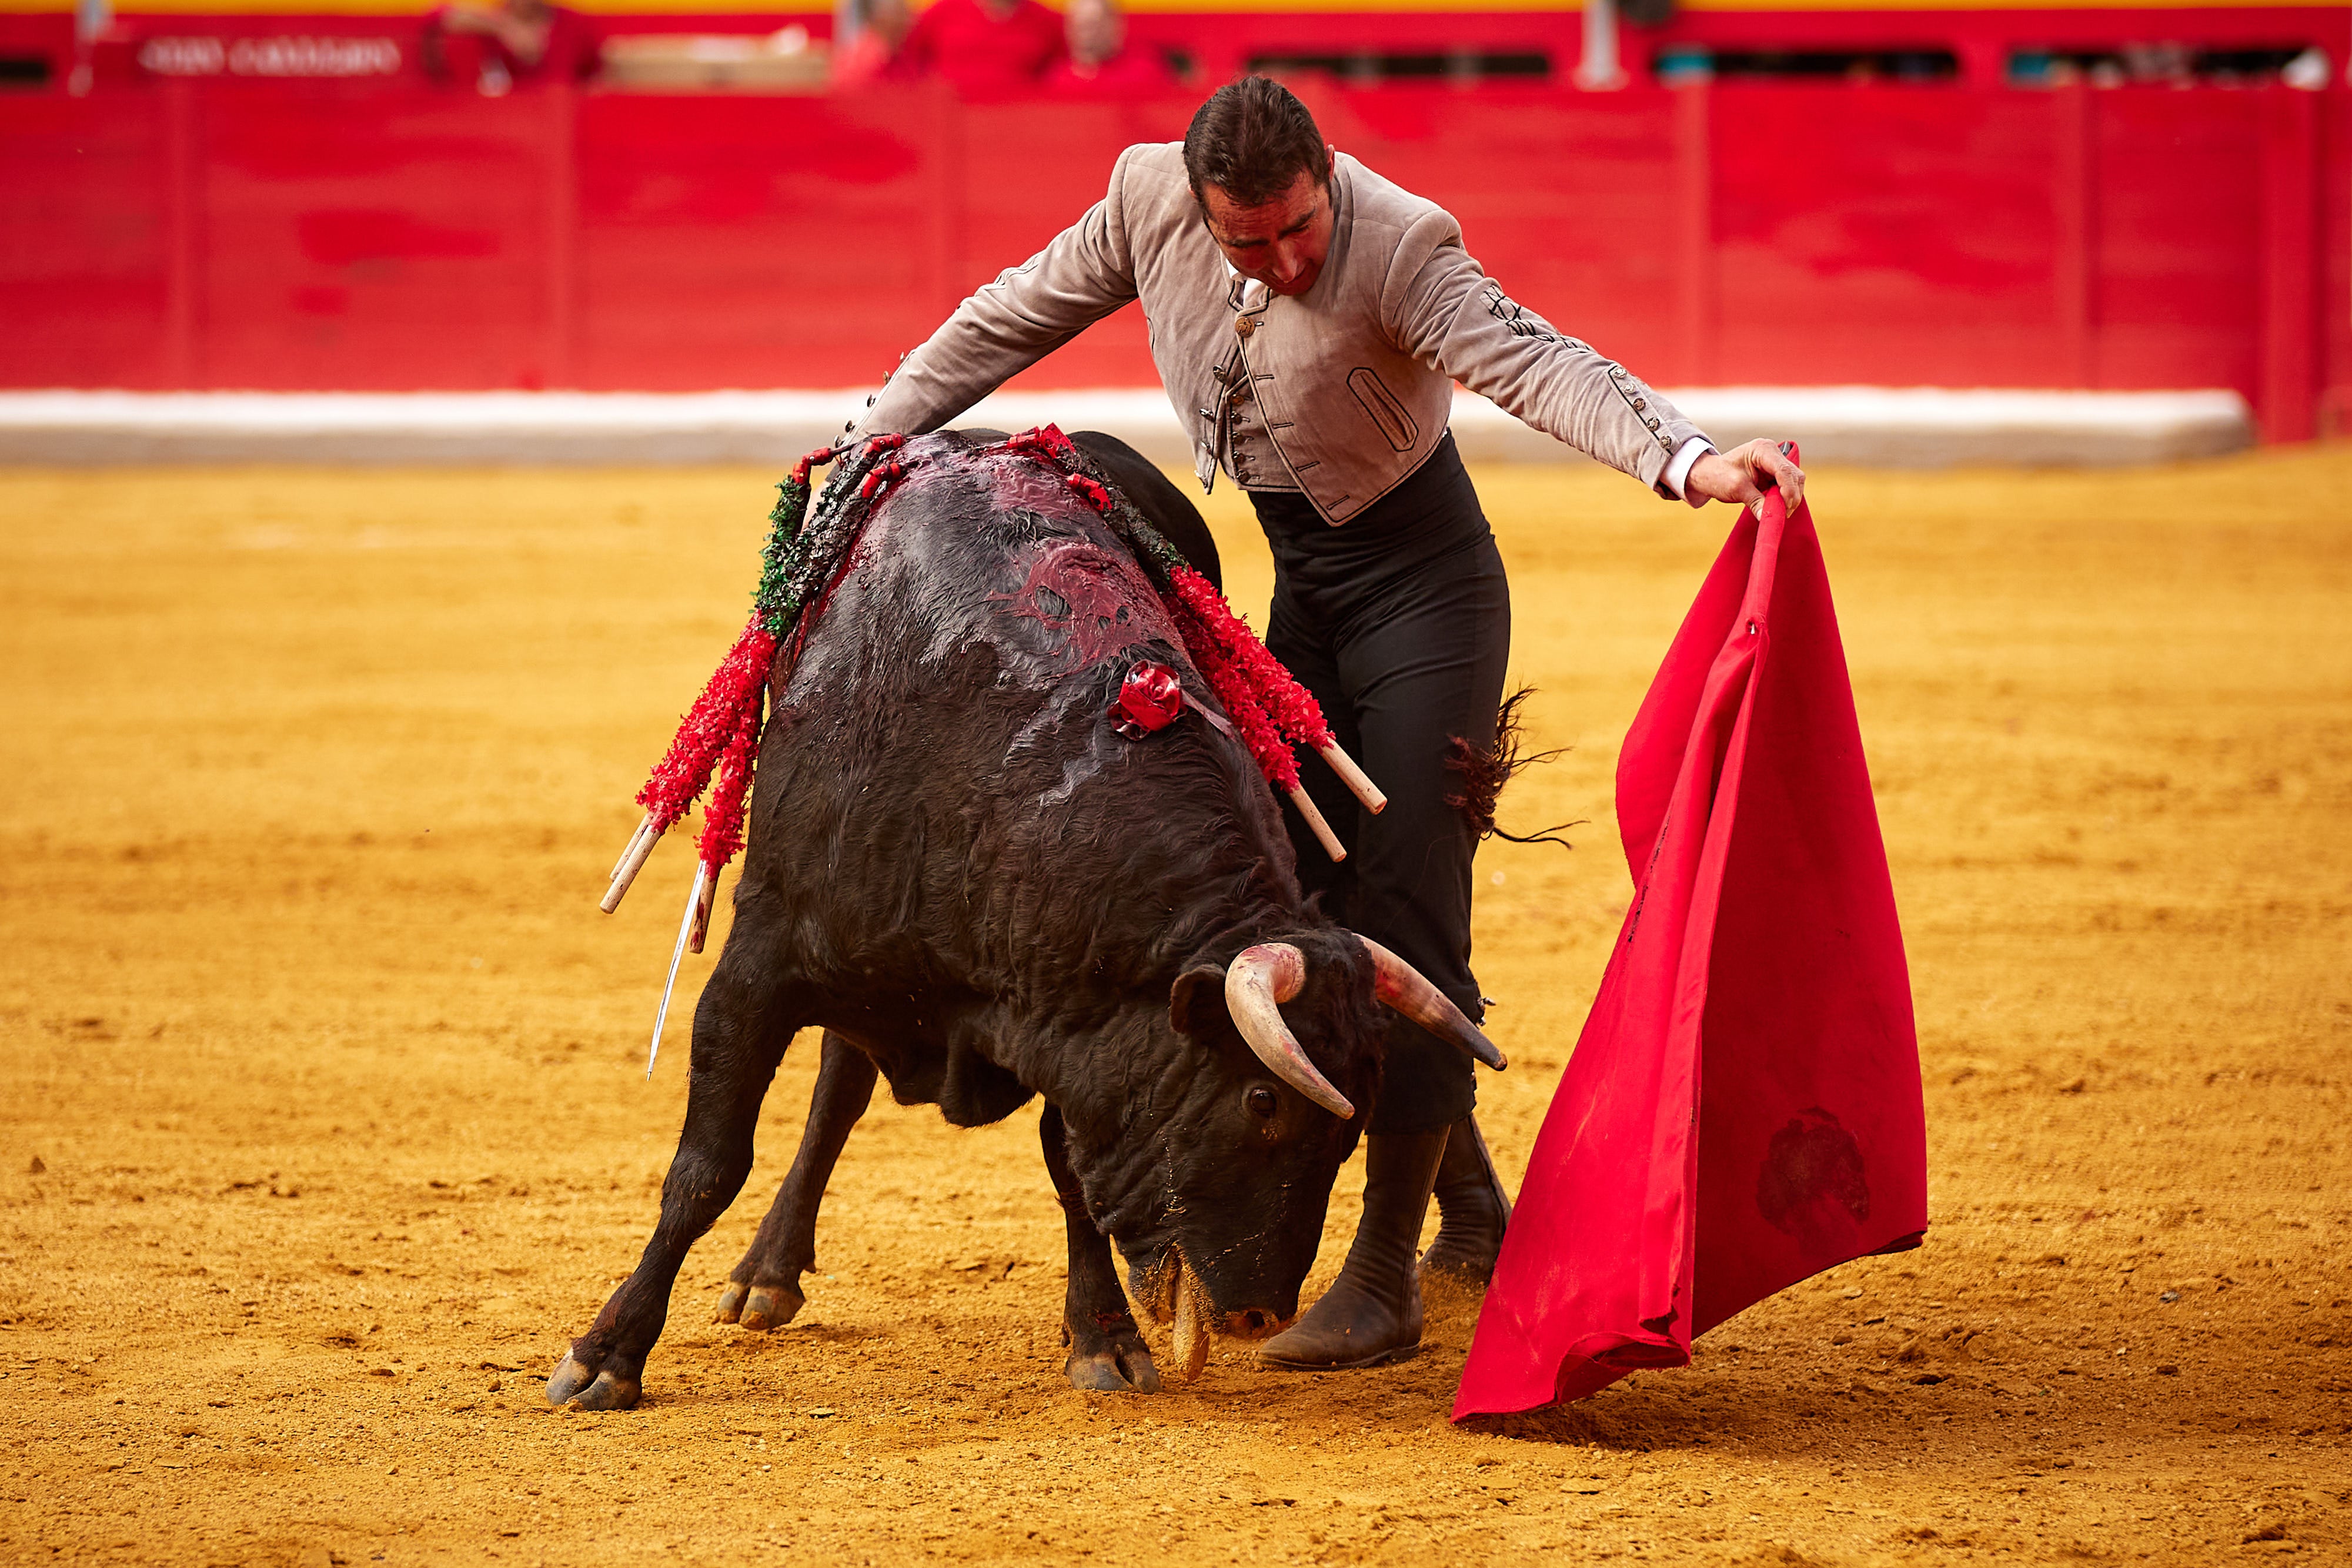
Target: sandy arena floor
[(325, 1123)]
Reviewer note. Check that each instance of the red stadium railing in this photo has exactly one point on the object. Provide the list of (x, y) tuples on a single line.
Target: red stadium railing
[(230, 234)]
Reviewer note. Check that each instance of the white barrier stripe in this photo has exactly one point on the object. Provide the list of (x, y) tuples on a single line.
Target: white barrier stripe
[(1900, 426)]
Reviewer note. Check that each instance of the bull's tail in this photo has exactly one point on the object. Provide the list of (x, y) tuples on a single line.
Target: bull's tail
[(1483, 770)]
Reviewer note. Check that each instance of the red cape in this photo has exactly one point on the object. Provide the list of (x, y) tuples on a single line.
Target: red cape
[(1743, 1108)]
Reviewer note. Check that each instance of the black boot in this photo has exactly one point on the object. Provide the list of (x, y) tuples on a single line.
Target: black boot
[(1371, 1313), (1472, 1209)]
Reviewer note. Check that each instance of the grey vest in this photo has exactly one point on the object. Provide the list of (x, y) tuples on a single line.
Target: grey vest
[(1354, 379)]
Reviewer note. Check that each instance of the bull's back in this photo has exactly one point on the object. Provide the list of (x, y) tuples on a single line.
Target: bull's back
[(1164, 505), (941, 786)]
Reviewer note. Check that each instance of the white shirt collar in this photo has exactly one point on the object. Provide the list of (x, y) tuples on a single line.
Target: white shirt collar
[(1262, 298)]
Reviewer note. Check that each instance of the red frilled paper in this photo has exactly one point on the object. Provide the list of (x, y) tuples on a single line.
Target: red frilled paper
[(1743, 1108)]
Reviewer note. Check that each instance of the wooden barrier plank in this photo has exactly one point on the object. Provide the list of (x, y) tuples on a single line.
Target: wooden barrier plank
[(753, 241), (1894, 237), (367, 239), (2176, 237), (2287, 398), (85, 251), (2074, 202)]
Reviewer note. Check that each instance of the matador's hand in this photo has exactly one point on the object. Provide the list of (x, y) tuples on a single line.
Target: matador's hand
[(1741, 474)]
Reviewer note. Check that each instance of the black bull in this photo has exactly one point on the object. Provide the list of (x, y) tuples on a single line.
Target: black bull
[(962, 873)]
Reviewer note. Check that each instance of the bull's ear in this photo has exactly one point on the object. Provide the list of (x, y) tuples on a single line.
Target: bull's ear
[(1197, 999)]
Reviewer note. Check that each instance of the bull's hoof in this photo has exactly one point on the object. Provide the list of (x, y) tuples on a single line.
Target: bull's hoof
[(608, 1393), (1110, 1358), (772, 1307), (1114, 1372), (575, 1387), (759, 1308), (570, 1378)]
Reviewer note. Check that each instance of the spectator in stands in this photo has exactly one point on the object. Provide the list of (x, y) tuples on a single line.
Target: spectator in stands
[(984, 46), (510, 42), (1097, 54), (872, 52)]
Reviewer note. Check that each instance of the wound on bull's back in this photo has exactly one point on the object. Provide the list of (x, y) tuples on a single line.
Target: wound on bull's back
[(1091, 604)]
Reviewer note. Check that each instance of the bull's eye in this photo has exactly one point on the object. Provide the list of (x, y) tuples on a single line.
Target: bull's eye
[(1262, 1103)]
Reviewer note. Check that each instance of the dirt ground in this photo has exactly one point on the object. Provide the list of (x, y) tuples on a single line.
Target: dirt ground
[(326, 1123)]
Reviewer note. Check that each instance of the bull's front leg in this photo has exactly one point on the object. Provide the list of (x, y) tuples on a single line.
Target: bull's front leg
[(764, 1290), (1107, 1350), (741, 1029)]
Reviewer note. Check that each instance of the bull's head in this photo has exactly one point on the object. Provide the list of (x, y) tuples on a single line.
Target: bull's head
[(1217, 1195)]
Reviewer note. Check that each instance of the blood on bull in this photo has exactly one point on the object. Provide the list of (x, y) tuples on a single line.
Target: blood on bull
[(966, 867)]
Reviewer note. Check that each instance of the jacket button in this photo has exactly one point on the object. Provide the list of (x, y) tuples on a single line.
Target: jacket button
[(1245, 325), (1639, 405)]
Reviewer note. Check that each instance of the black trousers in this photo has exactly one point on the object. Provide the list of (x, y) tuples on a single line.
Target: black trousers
[(1400, 624)]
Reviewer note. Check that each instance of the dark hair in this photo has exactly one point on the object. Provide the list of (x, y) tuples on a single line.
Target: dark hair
[(1253, 140)]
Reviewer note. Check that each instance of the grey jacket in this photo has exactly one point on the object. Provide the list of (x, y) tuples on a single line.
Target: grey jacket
[(1353, 379)]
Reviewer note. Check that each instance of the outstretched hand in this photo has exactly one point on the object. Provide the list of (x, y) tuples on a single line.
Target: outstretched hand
[(1742, 474)]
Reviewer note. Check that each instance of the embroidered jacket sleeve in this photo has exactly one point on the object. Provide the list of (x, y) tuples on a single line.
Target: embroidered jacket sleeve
[(1441, 308), (1086, 272)]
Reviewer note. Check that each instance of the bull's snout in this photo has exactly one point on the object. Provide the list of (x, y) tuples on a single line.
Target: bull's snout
[(1181, 1295), (1253, 1323)]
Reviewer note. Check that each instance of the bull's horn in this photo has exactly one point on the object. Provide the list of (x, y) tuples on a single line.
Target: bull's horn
[(1260, 981), (1401, 986)]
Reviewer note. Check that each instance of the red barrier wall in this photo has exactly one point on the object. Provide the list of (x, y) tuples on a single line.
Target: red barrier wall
[(382, 237)]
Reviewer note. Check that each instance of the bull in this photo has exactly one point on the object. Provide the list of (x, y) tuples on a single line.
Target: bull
[(983, 890)]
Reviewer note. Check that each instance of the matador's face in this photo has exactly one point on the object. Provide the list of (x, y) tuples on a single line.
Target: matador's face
[(1281, 243)]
